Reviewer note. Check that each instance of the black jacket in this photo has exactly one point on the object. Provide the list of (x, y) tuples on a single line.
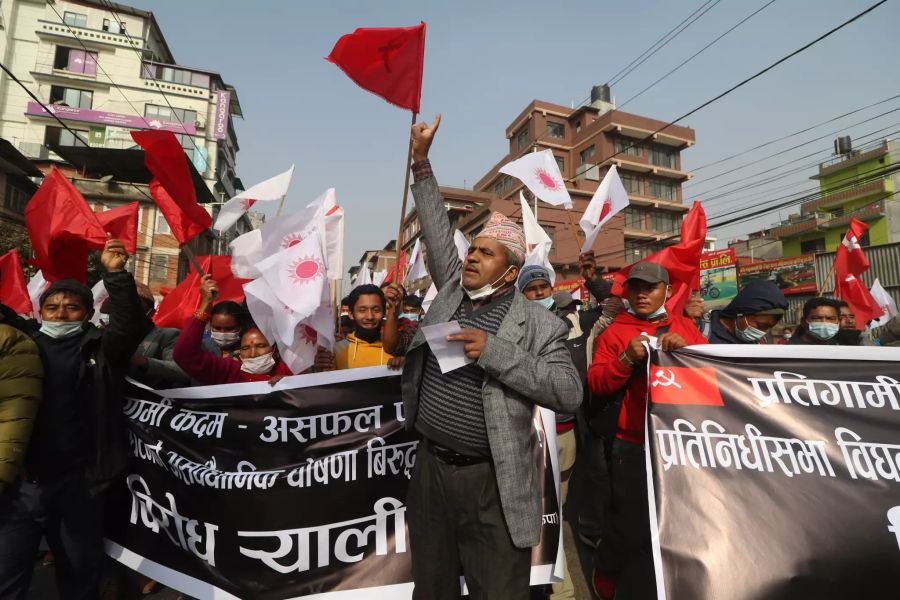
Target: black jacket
[(105, 360)]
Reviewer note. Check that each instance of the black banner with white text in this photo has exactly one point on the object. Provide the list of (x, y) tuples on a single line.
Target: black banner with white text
[(242, 491), (775, 472)]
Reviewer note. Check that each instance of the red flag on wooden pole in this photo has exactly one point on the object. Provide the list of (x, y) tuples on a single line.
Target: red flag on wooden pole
[(386, 61), (178, 303)]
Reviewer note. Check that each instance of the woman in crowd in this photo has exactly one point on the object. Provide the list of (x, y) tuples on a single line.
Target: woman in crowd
[(256, 360), (227, 320)]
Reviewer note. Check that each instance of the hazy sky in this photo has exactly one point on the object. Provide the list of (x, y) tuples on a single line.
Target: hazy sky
[(485, 61)]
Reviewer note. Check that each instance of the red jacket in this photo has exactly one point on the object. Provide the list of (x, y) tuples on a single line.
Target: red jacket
[(607, 374), (208, 368)]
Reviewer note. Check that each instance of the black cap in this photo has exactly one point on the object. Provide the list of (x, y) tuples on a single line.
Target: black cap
[(650, 272), (70, 286)]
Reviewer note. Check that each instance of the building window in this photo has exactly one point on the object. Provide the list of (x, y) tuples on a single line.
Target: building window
[(16, 199), (114, 26), (74, 19), (174, 75), (659, 188), (522, 138), (162, 226), (561, 163), (182, 115), (812, 246), (71, 97), (633, 184), (634, 218), (57, 136), (628, 146), (665, 222), (159, 267), (75, 61), (586, 155), (556, 130), (577, 126), (503, 185), (662, 157)]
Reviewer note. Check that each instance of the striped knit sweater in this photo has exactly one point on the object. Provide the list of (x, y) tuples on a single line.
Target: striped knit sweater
[(451, 411)]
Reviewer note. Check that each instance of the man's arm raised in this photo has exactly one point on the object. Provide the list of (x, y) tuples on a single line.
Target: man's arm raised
[(443, 261)]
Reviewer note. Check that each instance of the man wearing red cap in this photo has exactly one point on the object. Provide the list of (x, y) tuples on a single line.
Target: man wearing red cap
[(475, 496)]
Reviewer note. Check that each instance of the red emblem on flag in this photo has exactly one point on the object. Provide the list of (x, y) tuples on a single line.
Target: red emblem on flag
[(684, 385)]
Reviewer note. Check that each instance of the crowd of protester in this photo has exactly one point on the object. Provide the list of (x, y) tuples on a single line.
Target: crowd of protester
[(474, 499)]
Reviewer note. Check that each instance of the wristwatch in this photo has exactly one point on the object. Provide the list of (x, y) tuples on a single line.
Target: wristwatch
[(623, 358)]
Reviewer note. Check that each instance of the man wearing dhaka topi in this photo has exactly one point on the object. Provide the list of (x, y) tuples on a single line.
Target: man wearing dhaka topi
[(475, 497)]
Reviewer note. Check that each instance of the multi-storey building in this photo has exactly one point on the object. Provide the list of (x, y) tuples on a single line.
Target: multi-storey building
[(856, 183), (105, 69)]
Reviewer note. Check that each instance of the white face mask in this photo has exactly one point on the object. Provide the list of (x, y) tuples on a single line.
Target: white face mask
[(225, 339), (258, 365), (62, 329), (485, 290)]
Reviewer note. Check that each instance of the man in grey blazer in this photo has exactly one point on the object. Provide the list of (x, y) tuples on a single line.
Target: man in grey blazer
[(475, 497)]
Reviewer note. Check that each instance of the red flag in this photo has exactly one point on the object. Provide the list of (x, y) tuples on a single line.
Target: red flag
[(172, 187), (684, 385), (13, 291), (179, 303), (392, 272), (849, 263), (682, 261), (850, 258), (387, 61), (62, 228), (122, 223)]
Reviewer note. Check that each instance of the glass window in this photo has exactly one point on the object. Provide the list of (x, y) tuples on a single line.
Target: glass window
[(665, 222), (159, 267), (662, 157), (200, 80), (561, 163), (660, 188), (152, 111), (76, 61), (628, 146), (811, 246), (75, 19), (522, 138), (586, 155), (16, 199), (633, 184), (71, 97), (556, 130), (162, 226), (114, 26), (57, 136), (634, 218)]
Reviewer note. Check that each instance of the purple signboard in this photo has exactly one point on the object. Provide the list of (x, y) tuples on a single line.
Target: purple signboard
[(107, 118), (223, 109)]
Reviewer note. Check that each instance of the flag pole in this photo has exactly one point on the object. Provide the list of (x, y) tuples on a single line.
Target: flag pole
[(825, 282), (405, 196), (193, 258), (572, 227)]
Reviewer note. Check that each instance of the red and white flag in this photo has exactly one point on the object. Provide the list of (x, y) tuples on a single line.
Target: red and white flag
[(609, 199), (322, 216), (886, 302), (537, 240), (334, 234), (36, 286), (850, 257), (540, 174), (297, 274), (849, 264), (363, 276), (271, 189)]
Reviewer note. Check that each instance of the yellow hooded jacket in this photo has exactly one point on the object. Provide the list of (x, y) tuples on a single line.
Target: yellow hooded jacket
[(353, 353)]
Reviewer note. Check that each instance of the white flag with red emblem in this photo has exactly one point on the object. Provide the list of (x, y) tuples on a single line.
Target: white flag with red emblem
[(609, 199), (417, 260), (297, 274), (36, 286), (534, 234), (886, 302), (275, 188), (334, 234), (540, 174)]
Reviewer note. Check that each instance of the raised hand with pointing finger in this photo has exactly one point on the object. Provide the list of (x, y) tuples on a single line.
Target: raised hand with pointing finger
[(422, 136)]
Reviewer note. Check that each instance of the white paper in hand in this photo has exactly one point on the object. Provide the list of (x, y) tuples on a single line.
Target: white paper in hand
[(450, 355)]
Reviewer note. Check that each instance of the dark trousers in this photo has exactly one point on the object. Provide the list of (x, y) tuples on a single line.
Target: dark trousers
[(456, 527), (593, 472), (627, 551), (71, 519)]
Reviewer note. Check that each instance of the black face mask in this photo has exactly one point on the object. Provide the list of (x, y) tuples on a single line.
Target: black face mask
[(367, 335)]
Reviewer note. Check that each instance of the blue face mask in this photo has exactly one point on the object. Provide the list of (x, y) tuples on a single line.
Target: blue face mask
[(823, 331), (750, 334), (545, 302), (659, 312), (62, 329), (411, 316)]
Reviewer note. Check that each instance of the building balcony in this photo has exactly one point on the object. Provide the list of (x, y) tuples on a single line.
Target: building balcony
[(647, 234), (873, 211), (649, 201), (88, 35), (873, 188), (839, 163), (643, 165), (634, 130), (820, 221)]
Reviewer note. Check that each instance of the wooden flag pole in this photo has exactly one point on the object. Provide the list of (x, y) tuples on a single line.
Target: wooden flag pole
[(825, 282), (193, 258), (405, 196)]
